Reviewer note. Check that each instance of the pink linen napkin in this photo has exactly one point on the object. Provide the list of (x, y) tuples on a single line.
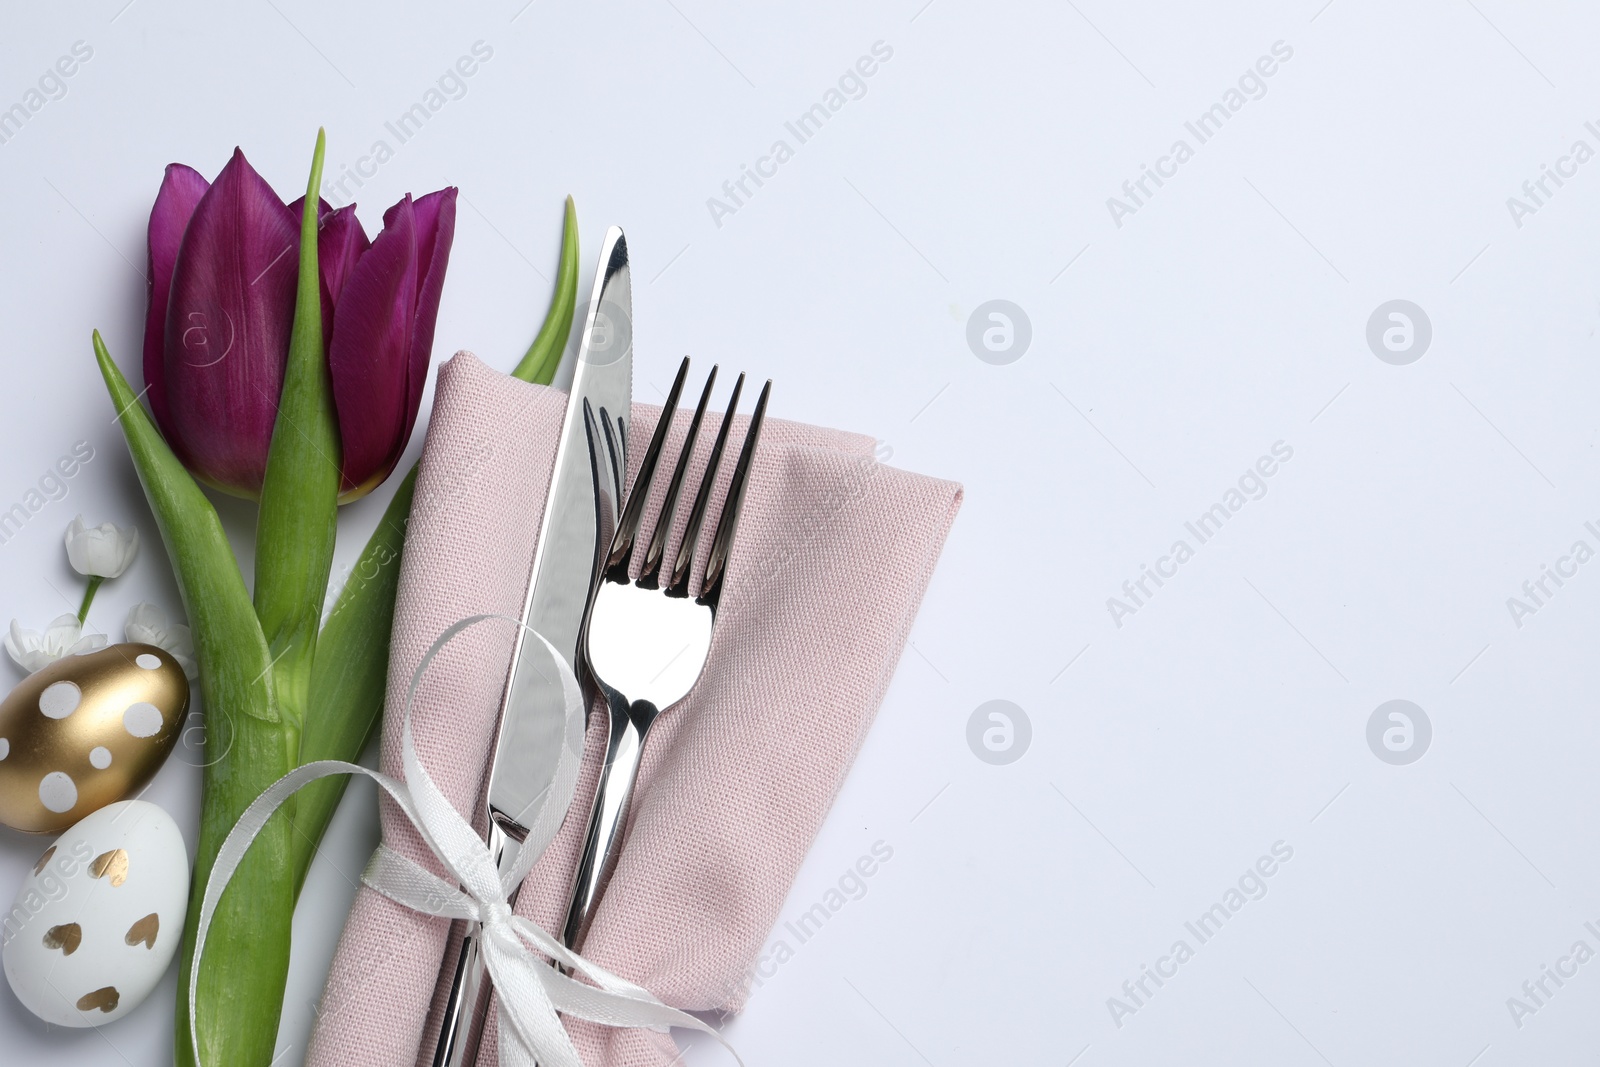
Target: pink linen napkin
[(833, 553)]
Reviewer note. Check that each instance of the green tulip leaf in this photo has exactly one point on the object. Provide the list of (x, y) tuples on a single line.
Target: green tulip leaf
[(298, 517), (350, 673), (246, 961), (544, 355)]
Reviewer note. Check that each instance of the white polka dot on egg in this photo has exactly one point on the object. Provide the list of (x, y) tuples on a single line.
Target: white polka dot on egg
[(142, 719), (5, 747), (100, 757), (60, 699), (148, 662), (58, 792)]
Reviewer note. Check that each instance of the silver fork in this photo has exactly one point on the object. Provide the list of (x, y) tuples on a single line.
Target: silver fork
[(647, 639)]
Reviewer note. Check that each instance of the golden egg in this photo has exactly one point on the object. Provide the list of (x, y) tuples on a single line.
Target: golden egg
[(85, 732)]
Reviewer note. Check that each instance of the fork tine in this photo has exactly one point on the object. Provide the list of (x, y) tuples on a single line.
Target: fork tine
[(717, 564), (678, 583), (633, 511), (649, 576), (615, 446)]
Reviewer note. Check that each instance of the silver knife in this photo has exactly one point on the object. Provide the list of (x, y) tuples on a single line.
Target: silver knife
[(579, 518)]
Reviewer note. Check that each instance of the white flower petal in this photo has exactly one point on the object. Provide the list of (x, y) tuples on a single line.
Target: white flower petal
[(145, 618), (63, 637), (34, 661), (62, 631), (22, 645), (86, 643), (103, 551), (147, 625), (75, 544)]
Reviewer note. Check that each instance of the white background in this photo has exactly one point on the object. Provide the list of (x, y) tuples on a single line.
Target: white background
[(1228, 313)]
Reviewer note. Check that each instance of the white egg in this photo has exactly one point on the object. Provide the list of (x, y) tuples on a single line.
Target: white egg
[(98, 920)]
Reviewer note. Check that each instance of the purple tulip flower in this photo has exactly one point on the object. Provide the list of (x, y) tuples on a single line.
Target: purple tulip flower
[(223, 260)]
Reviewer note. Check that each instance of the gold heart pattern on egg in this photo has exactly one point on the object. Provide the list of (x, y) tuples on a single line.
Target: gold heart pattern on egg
[(112, 866), (144, 931), (104, 999), (67, 938), (85, 732)]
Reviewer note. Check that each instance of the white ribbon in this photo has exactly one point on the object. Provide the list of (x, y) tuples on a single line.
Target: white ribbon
[(529, 991)]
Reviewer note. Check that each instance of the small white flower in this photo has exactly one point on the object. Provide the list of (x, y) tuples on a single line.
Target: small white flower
[(102, 551), (63, 637), (148, 625)]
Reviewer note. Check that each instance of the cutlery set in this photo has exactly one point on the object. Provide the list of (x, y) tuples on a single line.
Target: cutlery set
[(634, 629)]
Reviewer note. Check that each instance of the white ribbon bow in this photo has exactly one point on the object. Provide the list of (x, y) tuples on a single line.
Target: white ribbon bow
[(528, 990)]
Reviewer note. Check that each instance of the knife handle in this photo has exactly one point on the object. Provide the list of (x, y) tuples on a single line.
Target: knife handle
[(466, 1008), (467, 1005)]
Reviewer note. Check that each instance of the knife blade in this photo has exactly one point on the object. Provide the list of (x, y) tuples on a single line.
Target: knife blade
[(580, 513), (579, 517)]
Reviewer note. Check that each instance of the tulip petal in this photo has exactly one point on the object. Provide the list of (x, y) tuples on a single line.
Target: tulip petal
[(324, 209), (436, 231), (383, 336), (227, 334), (341, 243), (181, 190), (368, 356)]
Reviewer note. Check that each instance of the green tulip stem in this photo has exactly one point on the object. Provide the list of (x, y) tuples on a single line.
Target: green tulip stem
[(88, 598)]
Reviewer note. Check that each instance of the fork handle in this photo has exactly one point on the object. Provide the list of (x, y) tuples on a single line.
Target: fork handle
[(629, 725)]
